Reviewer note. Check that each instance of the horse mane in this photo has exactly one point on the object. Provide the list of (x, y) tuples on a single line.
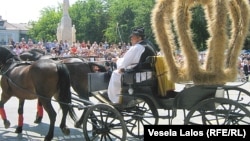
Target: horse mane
[(6, 53), (35, 54), (36, 50)]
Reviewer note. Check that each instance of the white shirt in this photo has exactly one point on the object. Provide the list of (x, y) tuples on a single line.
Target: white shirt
[(131, 57)]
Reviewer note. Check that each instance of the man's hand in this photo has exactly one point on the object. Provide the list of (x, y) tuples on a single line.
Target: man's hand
[(121, 70), (114, 59)]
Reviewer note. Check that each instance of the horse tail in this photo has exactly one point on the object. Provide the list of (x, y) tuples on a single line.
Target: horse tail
[(64, 92)]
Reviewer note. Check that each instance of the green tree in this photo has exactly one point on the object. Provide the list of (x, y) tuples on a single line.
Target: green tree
[(125, 15), (199, 27), (97, 20), (112, 20), (90, 18), (45, 27), (247, 42)]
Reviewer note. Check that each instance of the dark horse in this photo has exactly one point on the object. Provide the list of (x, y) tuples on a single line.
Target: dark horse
[(40, 80), (78, 69)]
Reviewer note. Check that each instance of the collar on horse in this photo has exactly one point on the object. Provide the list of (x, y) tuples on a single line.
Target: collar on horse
[(11, 64)]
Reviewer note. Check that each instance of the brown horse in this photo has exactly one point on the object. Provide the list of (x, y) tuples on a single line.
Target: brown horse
[(78, 69), (40, 80)]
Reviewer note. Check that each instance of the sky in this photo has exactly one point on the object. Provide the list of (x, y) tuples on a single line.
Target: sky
[(23, 11)]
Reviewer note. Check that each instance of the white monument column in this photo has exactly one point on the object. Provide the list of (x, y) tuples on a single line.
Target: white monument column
[(59, 32), (64, 31), (73, 34)]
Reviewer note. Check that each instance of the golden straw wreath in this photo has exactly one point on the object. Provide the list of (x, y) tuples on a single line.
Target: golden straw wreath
[(222, 50)]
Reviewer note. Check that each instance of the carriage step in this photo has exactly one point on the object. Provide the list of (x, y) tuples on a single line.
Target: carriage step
[(103, 92), (127, 101), (101, 97)]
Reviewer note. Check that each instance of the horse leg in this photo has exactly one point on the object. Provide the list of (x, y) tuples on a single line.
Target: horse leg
[(39, 114), (64, 128), (4, 99), (82, 91), (78, 123), (19, 128), (52, 116)]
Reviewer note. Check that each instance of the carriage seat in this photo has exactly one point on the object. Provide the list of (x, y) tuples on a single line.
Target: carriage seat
[(139, 76), (98, 85), (155, 76)]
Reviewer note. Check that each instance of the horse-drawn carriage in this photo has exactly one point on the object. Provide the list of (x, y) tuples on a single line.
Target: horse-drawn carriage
[(107, 121), (207, 101), (201, 104)]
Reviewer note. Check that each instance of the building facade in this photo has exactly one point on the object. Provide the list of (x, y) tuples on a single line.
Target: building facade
[(12, 32)]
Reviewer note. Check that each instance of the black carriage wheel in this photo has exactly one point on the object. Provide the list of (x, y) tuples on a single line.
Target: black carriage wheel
[(218, 111), (103, 122), (144, 113), (239, 95)]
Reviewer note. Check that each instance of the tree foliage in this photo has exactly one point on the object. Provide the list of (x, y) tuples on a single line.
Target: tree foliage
[(126, 15), (199, 27), (45, 28), (112, 21), (90, 19)]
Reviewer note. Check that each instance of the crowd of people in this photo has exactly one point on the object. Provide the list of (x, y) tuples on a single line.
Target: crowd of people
[(84, 49), (106, 51)]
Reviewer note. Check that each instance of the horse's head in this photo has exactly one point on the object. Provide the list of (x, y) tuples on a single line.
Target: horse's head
[(96, 67), (7, 56), (32, 55)]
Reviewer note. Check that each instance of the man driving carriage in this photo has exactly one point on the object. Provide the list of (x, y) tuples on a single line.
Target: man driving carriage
[(132, 59)]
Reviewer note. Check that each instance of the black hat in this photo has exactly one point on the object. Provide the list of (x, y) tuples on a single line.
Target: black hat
[(139, 31)]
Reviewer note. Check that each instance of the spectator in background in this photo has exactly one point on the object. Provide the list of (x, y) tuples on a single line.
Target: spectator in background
[(12, 42), (30, 43), (54, 44), (88, 44), (48, 47), (73, 49), (17, 49), (106, 45), (83, 44), (246, 68), (66, 53), (65, 45), (24, 46)]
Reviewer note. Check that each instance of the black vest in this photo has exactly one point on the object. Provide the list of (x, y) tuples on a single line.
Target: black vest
[(149, 51)]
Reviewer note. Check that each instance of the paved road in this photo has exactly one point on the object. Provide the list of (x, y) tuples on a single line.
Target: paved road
[(35, 132)]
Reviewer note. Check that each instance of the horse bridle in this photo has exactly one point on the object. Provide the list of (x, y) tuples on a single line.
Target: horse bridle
[(10, 67)]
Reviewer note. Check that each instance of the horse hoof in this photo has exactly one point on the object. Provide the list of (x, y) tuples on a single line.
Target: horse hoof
[(65, 131), (6, 123), (38, 120), (47, 138), (19, 129), (78, 125), (94, 133)]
